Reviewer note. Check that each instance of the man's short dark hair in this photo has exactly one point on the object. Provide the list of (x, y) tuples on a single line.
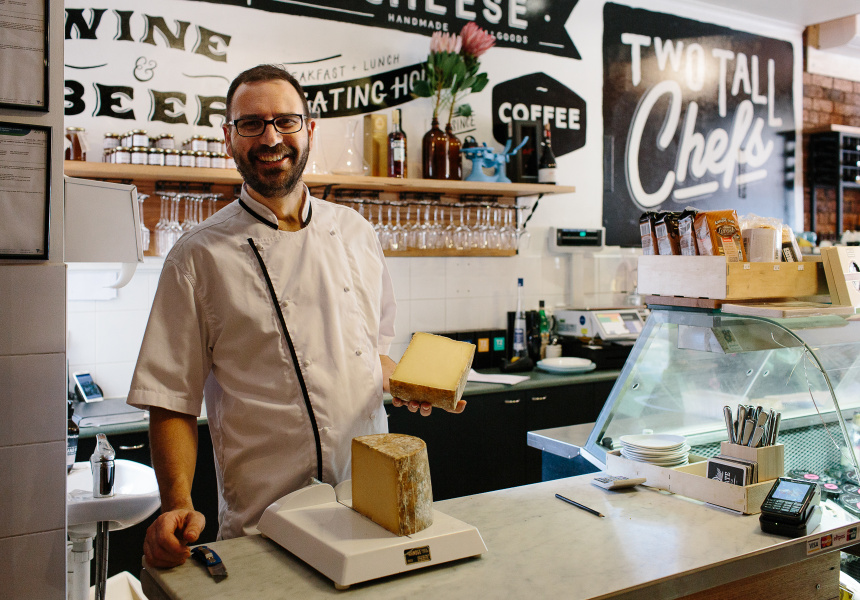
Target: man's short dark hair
[(265, 73)]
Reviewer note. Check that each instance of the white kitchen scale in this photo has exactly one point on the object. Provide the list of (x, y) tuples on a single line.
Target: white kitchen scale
[(317, 524)]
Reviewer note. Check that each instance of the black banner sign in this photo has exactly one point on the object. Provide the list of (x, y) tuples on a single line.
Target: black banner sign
[(534, 25), (539, 97), (365, 94), (694, 114)]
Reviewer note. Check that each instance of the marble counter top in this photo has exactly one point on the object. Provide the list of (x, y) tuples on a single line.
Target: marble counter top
[(650, 545)]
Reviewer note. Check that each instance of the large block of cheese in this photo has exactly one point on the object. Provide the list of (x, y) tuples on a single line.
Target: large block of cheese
[(433, 369), (391, 481)]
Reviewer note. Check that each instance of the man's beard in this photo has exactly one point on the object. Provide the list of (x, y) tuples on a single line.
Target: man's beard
[(282, 182)]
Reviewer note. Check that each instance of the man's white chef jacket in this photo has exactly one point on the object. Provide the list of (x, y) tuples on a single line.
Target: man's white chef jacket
[(214, 312)]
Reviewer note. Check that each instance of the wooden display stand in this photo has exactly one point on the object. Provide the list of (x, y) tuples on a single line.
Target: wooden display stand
[(691, 480), (713, 278)]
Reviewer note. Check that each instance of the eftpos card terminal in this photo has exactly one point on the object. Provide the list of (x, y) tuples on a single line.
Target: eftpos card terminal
[(791, 508)]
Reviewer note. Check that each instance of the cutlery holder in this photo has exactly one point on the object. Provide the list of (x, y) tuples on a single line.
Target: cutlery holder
[(770, 459)]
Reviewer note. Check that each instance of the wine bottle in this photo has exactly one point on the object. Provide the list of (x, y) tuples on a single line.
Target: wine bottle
[(396, 147), (546, 166), (519, 346)]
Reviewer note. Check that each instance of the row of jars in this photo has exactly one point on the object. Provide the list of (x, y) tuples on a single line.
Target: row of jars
[(138, 138), (139, 155)]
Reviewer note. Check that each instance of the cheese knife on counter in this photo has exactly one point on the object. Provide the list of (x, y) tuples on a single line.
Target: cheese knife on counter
[(752, 426)]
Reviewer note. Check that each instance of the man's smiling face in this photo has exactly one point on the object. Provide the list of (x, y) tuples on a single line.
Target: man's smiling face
[(271, 163)]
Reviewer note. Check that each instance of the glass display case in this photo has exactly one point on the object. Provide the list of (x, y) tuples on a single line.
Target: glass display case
[(690, 363)]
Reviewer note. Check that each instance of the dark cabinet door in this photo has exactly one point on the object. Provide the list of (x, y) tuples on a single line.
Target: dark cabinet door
[(479, 450), (559, 407)]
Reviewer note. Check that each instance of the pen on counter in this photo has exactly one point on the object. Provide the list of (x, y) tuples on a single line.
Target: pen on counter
[(578, 505)]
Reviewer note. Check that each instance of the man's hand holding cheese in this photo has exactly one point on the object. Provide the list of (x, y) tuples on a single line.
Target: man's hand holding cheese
[(432, 372)]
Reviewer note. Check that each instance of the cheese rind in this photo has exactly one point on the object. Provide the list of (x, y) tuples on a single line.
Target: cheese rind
[(433, 369), (391, 482)]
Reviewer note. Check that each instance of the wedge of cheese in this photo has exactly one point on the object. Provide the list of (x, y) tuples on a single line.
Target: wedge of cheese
[(391, 481), (433, 369)]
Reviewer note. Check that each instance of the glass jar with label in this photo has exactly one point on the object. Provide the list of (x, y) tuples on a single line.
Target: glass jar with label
[(186, 158), (139, 155), (122, 155), (156, 156), (198, 143), (214, 145), (231, 164), (139, 139), (219, 160), (171, 157), (75, 143), (111, 141), (202, 159), (165, 141)]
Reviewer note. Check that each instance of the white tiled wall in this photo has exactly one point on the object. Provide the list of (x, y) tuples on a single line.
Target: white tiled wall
[(433, 294)]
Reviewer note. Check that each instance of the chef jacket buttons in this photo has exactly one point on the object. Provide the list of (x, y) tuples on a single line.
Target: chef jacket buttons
[(346, 288), (307, 362), (331, 232), (285, 303), (358, 352)]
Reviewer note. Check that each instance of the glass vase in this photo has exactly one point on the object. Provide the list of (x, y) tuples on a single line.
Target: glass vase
[(351, 161), (434, 157), (316, 164), (455, 163)]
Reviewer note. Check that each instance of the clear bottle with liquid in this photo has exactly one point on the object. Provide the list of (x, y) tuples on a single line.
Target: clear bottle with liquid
[(519, 345)]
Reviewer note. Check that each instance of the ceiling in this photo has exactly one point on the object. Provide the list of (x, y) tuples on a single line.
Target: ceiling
[(795, 12)]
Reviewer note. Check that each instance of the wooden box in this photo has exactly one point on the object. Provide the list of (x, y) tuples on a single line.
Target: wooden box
[(691, 480), (770, 459), (713, 277)]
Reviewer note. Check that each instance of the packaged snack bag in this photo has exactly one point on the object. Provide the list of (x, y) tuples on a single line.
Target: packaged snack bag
[(718, 233), (646, 232), (668, 238), (687, 233)]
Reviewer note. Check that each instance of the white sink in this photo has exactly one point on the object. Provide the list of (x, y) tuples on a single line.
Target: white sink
[(135, 498)]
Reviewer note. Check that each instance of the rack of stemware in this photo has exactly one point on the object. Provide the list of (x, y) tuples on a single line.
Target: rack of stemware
[(487, 207)]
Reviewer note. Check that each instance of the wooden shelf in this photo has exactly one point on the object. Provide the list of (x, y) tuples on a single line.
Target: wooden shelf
[(150, 174), (148, 177)]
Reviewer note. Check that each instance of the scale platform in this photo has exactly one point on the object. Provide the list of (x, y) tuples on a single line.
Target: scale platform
[(317, 524)]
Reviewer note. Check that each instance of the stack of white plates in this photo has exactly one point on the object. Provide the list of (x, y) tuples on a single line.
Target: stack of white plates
[(566, 364), (658, 449)]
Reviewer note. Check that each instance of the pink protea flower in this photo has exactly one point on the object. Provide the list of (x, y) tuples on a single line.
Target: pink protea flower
[(476, 41), (445, 42)]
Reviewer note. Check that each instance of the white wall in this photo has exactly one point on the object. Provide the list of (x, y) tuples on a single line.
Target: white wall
[(32, 373)]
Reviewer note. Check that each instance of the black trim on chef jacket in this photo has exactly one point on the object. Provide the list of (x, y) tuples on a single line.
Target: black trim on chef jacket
[(292, 348), (265, 221)]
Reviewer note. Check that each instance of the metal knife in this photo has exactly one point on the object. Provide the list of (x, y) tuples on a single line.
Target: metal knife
[(775, 434), (761, 420), (742, 417), (212, 561), (756, 437), (749, 426), (730, 426)]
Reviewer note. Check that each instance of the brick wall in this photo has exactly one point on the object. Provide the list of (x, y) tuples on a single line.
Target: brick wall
[(826, 101)]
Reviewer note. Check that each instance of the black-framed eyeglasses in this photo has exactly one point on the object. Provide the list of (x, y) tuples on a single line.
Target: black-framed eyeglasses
[(253, 126)]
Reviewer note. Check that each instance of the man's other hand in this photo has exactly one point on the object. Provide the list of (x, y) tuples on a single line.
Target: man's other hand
[(425, 407), (167, 539)]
